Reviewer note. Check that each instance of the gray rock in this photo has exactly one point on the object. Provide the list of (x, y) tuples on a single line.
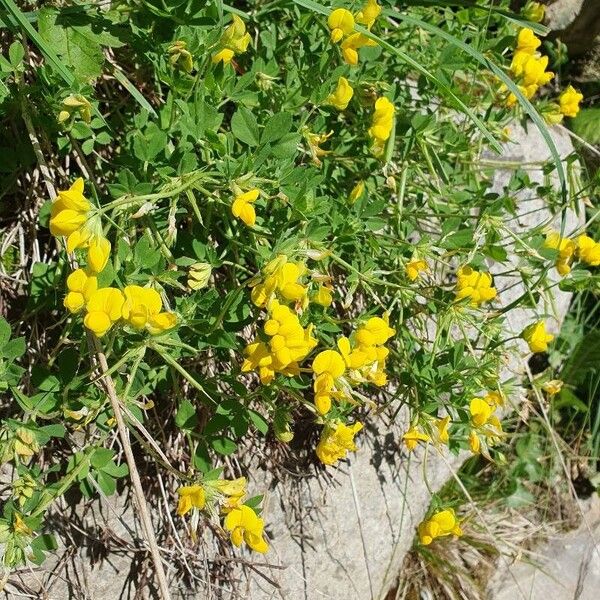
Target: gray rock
[(569, 567), (576, 23)]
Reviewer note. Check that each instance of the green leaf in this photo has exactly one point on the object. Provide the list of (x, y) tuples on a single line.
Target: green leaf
[(223, 445), (76, 46), (287, 146), (16, 53), (39, 41), (186, 417), (116, 471), (584, 357), (258, 422), (459, 239), (4, 332), (101, 457), (107, 484), (276, 127), (587, 125), (244, 127), (56, 430)]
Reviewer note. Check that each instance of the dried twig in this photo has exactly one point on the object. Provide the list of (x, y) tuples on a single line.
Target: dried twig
[(138, 490)]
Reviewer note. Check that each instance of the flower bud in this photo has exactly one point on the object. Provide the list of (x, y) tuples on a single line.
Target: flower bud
[(199, 275)]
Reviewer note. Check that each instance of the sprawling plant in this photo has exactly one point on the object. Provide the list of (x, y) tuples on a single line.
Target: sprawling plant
[(249, 224)]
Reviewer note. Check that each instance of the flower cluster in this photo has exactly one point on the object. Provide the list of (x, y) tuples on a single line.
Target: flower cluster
[(283, 290), (438, 429), (528, 66), (234, 40), (287, 341), (361, 360), (141, 308), (224, 497), (474, 286), (337, 439), (583, 248), (440, 524), (341, 23), (485, 430)]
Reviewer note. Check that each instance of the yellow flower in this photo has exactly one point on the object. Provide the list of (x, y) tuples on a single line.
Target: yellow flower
[(336, 440), (534, 72), (494, 398), (282, 278), (225, 56), (190, 496), (566, 251), (98, 254), (552, 387), (324, 389), (412, 438), (474, 442), (588, 250), (242, 206), (376, 331), (353, 358), (480, 411), (259, 357), (289, 343), (534, 11), (415, 267), (70, 210), (142, 309), (569, 102), (352, 44), (340, 23), (475, 286), (368, 13), (342, 94), (246, 526), (442, 429), (356, 192), (382, 124), (103, 310), (527, 41), (235, 40), (232, 491), (75, 104), (81, 286), (324, 296), (442, 523), (328, 365), (330, 362), (537, 337)]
